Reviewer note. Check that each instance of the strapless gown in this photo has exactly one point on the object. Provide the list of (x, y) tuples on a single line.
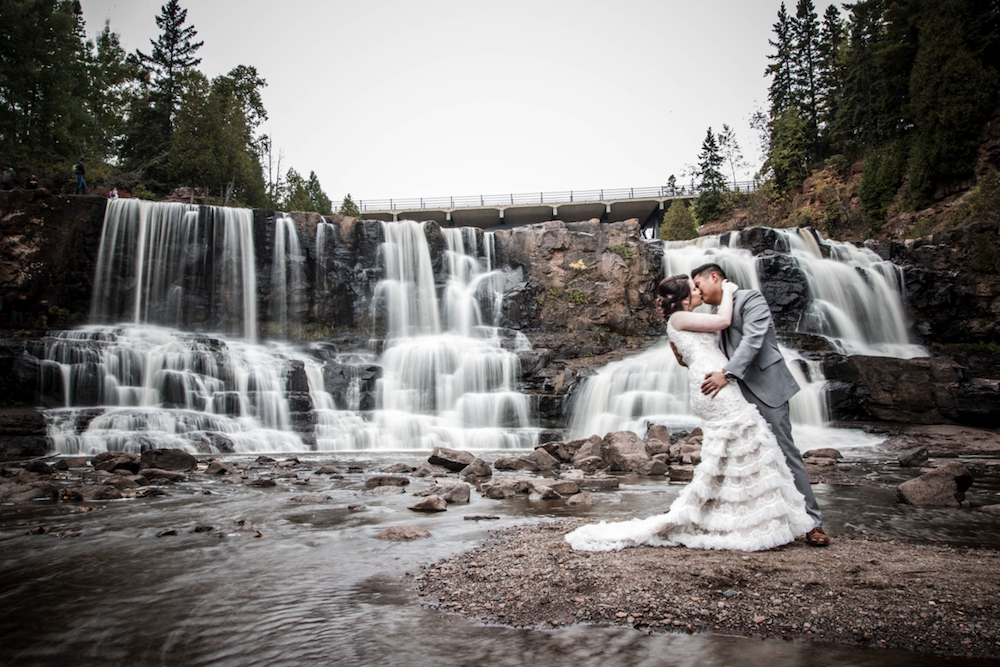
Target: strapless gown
[(742, 495)]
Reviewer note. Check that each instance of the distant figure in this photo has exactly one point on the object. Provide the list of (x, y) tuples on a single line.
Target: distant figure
[(9, 178), (43, 313), (32, 183), (17, 308), (80, 171), (113, 194)]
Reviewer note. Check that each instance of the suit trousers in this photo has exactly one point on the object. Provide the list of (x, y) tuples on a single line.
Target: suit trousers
[(778, 419)]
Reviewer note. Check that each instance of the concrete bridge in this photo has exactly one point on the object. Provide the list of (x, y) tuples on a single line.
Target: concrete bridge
[(505, 211)]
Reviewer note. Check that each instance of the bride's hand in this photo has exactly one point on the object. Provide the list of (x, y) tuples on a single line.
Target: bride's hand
[(729, 286)]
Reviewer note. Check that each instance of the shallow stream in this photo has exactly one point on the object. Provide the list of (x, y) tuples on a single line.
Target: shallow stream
[(315, 587)]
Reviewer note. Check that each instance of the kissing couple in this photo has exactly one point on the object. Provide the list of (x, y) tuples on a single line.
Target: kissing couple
[(751, 490)]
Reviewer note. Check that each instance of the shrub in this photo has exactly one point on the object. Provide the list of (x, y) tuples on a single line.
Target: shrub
[(986, 253), (578, 297), (622, 251), (678, 223)]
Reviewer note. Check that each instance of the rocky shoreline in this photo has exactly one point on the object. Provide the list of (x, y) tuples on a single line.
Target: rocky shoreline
[(868, 592)]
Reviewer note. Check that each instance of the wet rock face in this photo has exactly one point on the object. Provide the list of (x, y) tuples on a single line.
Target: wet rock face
[(582, 276), (943, 487), (916, 391), (784, 286)]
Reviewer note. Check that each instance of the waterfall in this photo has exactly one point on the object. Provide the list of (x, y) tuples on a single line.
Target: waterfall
[(855, 302), (446, 382), (159, 387), (176, 265), (287, 273)]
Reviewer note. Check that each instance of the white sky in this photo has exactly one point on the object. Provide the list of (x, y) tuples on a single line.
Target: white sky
[(389, 98)]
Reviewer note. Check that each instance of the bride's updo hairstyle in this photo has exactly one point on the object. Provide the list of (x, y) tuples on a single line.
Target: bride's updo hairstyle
[(672, 291)]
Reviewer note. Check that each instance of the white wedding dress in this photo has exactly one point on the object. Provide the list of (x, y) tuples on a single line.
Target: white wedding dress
[(742, 495)]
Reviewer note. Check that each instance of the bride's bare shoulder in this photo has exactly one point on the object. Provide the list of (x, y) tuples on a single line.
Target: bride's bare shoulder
[(679, 319)]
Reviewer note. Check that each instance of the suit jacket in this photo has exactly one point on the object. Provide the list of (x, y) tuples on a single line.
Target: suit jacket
[(752, 347)]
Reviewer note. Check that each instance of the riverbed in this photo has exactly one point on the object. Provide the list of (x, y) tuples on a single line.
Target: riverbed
[(218, 573)]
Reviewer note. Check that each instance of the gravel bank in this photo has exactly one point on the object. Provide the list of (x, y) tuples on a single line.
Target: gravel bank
[(878, 593)]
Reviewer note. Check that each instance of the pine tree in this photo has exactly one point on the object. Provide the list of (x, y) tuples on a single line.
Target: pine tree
[(805, 70), (788, 154), (348, 207), (320, 202), (173, 52), (111, 77), (831, 39), (297, 196), (952, 95), (730, 151), (780, 91), (711, 182), (678, 223)]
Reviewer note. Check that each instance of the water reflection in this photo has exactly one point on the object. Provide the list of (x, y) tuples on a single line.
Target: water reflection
[(316, 588)]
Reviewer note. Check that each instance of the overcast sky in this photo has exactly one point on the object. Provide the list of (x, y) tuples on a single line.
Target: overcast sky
[(406, 99)]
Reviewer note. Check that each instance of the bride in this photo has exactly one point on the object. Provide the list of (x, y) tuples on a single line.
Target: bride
[(742, 495)]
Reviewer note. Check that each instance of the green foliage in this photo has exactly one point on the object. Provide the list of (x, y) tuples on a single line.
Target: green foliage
[(622, 251), (985, 255), (140, 191), (678, 223), (788, 154), (952, 94), (578, 297), (711, 202), (883, 174), (984, 200), (43, 84), (321, 203), (348, 207), (780, 69), (172, 54)]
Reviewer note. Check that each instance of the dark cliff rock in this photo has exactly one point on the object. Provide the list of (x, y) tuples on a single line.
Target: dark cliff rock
[(784, 286), (48, 247), (583, 276)]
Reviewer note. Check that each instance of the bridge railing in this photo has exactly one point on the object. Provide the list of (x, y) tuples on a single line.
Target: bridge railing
[(528, 198)]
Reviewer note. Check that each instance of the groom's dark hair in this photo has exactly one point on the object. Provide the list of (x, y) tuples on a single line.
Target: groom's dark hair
[(708, 268)]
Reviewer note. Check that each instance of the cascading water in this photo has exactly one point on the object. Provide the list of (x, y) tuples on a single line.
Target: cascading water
[(445, 379), (853, 293), (177, 265), (446, 382)]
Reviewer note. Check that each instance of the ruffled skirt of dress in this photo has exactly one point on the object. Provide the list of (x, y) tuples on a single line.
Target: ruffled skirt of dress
[(742, 497)]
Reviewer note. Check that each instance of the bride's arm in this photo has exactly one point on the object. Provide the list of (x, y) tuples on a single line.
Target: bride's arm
[(684, 320)]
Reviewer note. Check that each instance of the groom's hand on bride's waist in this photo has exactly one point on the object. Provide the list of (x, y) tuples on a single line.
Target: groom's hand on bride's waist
[(713, 383)]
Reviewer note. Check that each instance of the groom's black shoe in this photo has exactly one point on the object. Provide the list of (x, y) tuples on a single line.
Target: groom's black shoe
[(817, 538)]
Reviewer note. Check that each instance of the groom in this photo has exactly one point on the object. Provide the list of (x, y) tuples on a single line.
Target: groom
[(755, 363)]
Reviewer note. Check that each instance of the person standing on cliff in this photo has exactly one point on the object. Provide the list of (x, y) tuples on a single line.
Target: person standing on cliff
[(9, 178), (756, 365), (80, 171), (31, 183)]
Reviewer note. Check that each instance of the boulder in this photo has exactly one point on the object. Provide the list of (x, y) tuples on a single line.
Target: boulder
[(991, 509), (402, 534), (692, 438), (941, 487), (429, 470), (914, 457), (564, 487), (624, 451), (681, 473), (219, 468), (398, 468), (126, 481), (452, 490), (168, 459), (588, 448), (657, 440), (583, 498), (157, 475), (385, 480), (590, 463), (515, 463), (543, 460), (502, 488), (825, 452), (39, 467), (557, 450), (430, 504), (475, 470), (100, 492), (542, 492), (655, 468), (452, 459), (328, 470), (114, 460), (602, 482)]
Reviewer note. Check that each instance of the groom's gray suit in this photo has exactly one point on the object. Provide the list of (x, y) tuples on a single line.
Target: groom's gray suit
[(751, 345)]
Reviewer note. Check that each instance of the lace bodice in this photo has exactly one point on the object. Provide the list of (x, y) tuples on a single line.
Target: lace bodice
[(701, 353)]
